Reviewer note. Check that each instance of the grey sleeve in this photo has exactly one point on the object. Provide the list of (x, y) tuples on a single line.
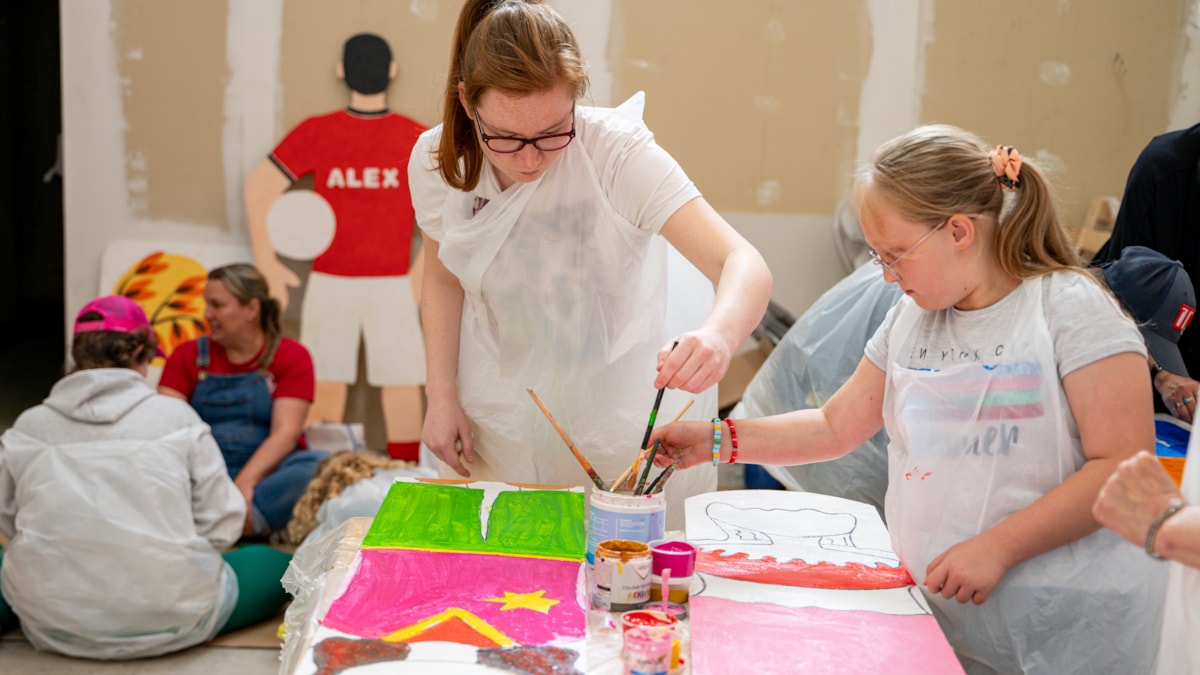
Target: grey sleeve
[(218, 508), (877, 347), (1086, 323)]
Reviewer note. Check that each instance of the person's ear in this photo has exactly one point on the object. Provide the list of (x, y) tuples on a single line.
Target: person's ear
[(393, 70), (462, 99), (340, 70), (962, 230)]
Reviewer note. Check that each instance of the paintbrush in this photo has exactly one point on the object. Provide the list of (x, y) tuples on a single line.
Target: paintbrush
[(641, 454), (654, 410), (637, 490), (570, 444), (660, 482)]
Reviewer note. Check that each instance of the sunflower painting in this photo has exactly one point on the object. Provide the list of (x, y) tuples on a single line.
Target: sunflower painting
[(171, 289)]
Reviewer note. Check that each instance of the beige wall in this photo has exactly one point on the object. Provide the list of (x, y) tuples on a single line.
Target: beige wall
[(768, 105)]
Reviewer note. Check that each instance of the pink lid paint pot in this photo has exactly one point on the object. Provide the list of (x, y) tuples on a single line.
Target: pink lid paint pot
[(677, 555)]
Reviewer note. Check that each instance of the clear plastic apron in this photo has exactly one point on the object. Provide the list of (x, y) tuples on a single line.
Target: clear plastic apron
[(971, 444), (563, 295), (1180, 652)]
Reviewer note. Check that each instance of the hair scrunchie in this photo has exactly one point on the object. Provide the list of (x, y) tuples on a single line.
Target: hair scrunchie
[(1006, 163)]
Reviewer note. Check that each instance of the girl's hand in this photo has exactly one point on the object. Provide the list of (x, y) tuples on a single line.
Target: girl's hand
[(693, 441), (968, 571), (698, 362), (448, 434)]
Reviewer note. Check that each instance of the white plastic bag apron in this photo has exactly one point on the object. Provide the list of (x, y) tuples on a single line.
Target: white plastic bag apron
[(971, 444), (815, 357), (565, 296), (1179, 651)]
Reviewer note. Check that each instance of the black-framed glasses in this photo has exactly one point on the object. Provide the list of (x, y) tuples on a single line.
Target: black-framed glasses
[(507, 145), (891, 266)]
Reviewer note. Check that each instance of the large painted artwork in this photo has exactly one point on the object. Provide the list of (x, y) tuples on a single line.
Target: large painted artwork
[(801, 582), (462, 577)]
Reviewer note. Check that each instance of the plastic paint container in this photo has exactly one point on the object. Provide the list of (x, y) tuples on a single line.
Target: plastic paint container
[(647, 617), (621, 575), (677, 589), (648, 651), (624, 516), (677, 556)]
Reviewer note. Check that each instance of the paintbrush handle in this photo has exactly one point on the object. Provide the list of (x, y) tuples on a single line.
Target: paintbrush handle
[(659, 483), (570, 444), (641, 455), (641, 484)]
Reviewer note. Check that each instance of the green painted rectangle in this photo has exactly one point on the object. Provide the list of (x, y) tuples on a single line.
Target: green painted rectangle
[(429, 516)]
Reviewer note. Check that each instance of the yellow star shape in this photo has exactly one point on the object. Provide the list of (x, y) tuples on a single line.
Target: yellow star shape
[(534, 601)]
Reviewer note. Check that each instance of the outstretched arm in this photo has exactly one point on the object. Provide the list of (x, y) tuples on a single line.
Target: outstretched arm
[(852, 415), (263, 186), (743, 288)]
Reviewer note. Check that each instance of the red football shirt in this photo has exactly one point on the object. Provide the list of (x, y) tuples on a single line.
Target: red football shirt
[(359, 163)]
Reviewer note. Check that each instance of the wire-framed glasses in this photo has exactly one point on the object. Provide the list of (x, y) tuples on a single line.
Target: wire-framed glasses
[(509, 144), (891, 266)]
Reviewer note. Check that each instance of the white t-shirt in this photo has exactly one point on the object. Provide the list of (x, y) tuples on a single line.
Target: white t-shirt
[(1085, 323)]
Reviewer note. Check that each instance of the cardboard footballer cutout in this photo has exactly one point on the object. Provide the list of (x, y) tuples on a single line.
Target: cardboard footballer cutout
[(357, 226)]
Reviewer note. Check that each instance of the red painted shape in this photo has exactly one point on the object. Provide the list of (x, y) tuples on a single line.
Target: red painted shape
[(454, 630), (334, 655), (797, 573)]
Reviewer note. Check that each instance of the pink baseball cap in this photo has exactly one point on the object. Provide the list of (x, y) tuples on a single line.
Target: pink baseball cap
[(121, 315)]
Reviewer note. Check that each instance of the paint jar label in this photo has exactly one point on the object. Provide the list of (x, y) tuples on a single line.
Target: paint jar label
[(617, 516), (621, 575)]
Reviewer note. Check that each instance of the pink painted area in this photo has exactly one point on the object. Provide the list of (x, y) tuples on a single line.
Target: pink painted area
[(727, 635), (798, 573), (394, 589)]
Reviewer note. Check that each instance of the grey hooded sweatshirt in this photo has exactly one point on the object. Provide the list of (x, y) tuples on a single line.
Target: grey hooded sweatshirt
[(118, 505)]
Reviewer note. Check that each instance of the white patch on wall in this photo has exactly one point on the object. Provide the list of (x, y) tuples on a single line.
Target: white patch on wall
[(766, 103), (775, 31), (641, 64), (135, 54), (300, 224), (892, 88), (1061, 7), (1055, 73), (424, 9), (592, 22), (253, 96), (768, 192)]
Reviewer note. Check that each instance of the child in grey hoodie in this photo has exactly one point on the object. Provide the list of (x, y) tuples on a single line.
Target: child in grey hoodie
[(118, 505)]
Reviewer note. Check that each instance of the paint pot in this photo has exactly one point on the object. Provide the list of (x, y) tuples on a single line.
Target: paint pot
[(648, 617), (677, 589), (621, 575), (624, 516), (648, 651)]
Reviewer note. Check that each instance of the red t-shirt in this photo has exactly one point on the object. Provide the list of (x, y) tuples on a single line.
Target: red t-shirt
[(290, 372), (359, 163)]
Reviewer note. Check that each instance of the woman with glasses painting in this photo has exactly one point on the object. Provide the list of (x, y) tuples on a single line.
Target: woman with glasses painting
[(1011, 386), (546, 268)]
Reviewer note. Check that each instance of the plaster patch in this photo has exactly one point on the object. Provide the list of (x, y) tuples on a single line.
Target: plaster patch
[(766, 103), (424, 9), (775, 31), (768, 192), (1055, 73)]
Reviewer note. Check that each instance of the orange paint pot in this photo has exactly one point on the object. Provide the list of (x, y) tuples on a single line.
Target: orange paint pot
[(621, 575)]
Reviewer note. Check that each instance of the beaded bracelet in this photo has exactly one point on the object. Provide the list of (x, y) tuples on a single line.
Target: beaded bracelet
[(1152, 533), (716, 441), (732, 442)]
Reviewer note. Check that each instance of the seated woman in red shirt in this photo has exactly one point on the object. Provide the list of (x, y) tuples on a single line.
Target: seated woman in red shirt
[(254, 387)]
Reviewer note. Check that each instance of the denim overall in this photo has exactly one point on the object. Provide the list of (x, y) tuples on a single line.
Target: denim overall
[(238, 408)]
